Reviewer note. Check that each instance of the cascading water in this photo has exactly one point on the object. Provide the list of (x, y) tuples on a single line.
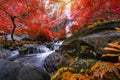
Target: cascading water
[(68, 14), (69, 22), (38, 58), (39, 53)]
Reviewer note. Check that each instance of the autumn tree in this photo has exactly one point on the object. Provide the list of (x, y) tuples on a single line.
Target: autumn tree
[(38, 14), (13, 12)]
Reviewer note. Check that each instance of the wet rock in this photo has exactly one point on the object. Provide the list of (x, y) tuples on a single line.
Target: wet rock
[(8, 70), (32, 73), (10, 55), (54, 61), (3, 54), (13, 71), (13, 55)]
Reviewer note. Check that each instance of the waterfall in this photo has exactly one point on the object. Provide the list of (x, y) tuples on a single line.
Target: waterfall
[(68, 14), (69, 18), (55, 8), (68, 9)]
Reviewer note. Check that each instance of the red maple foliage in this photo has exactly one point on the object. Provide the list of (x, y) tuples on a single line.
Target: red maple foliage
[(14, 12), (36, 18), (85, 10), (28, 16)]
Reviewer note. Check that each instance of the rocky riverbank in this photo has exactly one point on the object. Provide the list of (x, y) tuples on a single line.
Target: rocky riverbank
[(86, 52)]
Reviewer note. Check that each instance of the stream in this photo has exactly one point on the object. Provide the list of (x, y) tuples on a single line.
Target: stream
[(39, 55)]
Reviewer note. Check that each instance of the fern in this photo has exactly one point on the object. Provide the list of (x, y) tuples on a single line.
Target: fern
[(114, 46), (101, 70), (66, 73)]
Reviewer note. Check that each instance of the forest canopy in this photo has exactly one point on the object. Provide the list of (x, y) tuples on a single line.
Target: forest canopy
[(46, 19)]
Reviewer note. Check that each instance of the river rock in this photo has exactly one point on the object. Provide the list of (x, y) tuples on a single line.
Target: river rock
[(13, 71), (7, 54), (32, 73), (3, 54), (28, 49), (8, 70), (54, 61)]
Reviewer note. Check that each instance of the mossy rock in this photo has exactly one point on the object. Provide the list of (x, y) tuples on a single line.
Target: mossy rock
[(91, 41)]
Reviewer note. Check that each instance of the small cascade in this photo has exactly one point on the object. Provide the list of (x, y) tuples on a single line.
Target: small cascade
[(57, 44), (69, 22), (37, 59), (42, 49), (13, 54), (37, 49)]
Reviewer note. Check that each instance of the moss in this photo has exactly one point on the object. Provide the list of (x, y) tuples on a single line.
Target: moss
[(108, 25)]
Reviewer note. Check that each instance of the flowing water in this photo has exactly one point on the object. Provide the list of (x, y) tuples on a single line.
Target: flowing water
[(68, 14), (37, 59)]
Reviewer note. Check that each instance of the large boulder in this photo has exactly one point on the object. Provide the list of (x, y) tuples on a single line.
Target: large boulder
[(92, 40), (54, 61), (13, 71), (8, 70)]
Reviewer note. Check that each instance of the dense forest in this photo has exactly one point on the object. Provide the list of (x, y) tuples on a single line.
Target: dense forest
[(60, 39)]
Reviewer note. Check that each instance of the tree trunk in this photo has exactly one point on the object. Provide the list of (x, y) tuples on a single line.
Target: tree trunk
[(14, 27)]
